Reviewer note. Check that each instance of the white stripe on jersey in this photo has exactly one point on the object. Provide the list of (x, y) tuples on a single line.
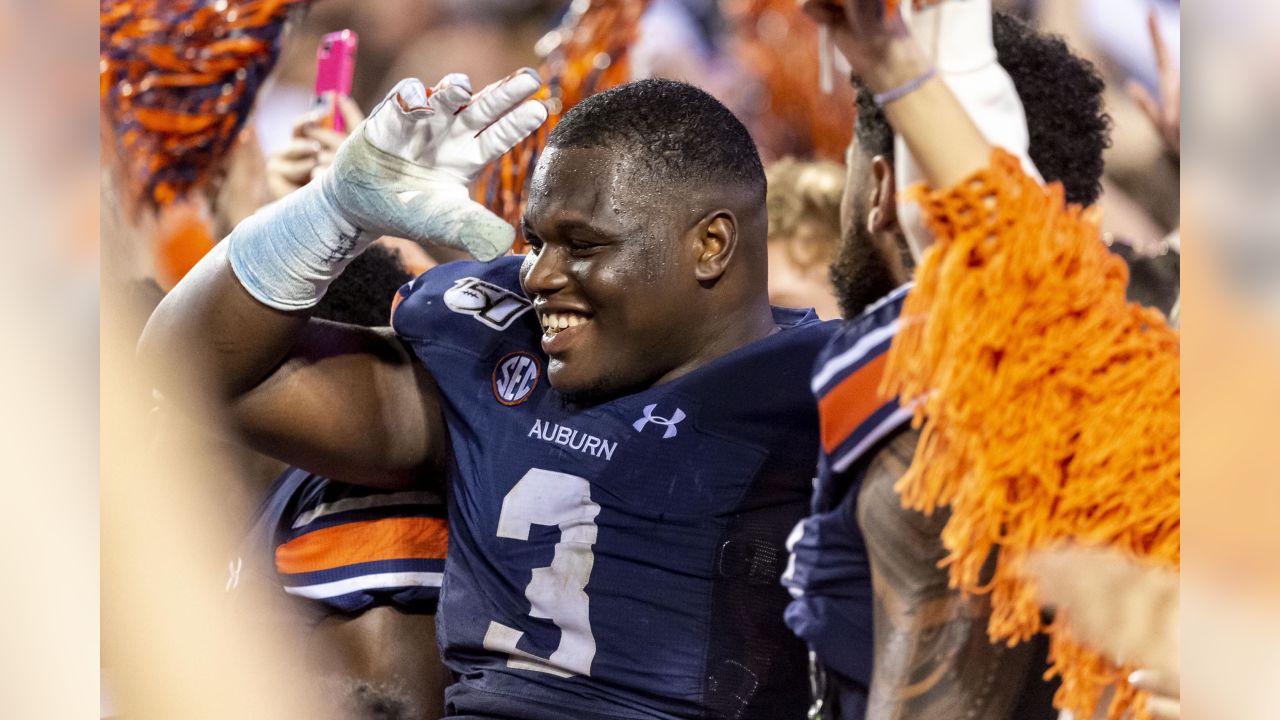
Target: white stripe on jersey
[(367, 582), (849, 356), (899, 417), (865, 344), (422, 497), (789, 574), (894, 294)]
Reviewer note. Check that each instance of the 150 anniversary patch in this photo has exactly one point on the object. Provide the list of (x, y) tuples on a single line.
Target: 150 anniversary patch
[(492, 305)]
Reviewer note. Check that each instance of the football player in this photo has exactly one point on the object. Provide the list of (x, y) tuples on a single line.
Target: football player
[(623, 419), (866, 571)]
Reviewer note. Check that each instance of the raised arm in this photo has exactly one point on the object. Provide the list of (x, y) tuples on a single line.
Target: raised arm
[(942, 137), (341, 400), (1065, 426)]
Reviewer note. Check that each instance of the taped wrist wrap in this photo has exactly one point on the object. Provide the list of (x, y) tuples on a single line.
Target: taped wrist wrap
[(287, 253)]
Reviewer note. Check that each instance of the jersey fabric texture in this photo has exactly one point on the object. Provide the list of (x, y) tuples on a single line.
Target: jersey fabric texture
[(616, 560), (829, 573), (350, 548)]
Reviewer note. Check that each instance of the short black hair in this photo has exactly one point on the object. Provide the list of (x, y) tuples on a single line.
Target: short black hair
[(1061, 94), (675, 129), (362, 294)]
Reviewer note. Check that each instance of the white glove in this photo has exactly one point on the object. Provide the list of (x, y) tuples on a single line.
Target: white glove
[(404, 172), (957, 36)]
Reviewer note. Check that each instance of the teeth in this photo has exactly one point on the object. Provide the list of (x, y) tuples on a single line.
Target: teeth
[(553, 323)]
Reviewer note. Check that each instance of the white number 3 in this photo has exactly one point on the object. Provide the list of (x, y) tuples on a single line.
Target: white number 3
[(556, 593)]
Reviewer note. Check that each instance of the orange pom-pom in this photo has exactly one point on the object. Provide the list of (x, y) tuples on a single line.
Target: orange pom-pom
[(1050, 405)]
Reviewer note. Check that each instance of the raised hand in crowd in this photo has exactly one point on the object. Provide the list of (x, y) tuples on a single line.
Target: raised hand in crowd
[(1165, 112), (311, 147), (878, 45), (941, 135)]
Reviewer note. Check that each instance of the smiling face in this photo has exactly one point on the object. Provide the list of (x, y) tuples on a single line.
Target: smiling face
[(611, 272)]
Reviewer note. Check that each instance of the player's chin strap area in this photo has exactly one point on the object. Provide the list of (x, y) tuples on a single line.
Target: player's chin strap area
[(402, 172)]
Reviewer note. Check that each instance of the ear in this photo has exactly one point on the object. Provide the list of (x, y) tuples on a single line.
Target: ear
[(884, 195), (716, 237)]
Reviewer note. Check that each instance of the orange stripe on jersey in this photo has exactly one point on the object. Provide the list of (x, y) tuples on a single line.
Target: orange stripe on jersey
[(850, 403), (367, 541)]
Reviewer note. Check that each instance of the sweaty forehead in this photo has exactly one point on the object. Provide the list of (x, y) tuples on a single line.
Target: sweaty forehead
[(598, 185)]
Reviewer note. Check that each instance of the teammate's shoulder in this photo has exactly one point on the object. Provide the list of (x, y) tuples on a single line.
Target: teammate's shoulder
[(865, 336), (846, 381), (487, 293)]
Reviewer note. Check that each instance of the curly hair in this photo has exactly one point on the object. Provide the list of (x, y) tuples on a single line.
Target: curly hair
[(1061, 94), (678, 131), (363, 293)]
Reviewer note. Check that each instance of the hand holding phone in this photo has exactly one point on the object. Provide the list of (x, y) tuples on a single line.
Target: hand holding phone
[(335, 67)]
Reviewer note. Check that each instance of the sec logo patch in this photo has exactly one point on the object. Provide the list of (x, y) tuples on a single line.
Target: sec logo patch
[(515, 377)]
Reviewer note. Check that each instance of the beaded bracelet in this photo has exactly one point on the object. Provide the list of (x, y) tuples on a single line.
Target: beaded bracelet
[(906, 88)]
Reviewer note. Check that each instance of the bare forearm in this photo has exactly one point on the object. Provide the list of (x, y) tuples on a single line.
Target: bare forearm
[(343, 401), (943, 139)]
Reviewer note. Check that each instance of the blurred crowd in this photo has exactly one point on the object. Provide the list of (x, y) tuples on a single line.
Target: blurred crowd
[(744, 53), (368, 651)]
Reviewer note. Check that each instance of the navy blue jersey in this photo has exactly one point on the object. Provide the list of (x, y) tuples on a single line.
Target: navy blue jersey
[(619, 560), (829, 573), (349, 548)]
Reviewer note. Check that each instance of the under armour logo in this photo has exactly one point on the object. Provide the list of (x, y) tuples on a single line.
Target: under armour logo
[(670, 422)]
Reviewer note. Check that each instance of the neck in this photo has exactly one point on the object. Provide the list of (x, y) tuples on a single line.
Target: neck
[(738, 327)]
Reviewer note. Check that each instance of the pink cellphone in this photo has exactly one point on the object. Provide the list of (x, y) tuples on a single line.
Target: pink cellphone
[(335, 65)]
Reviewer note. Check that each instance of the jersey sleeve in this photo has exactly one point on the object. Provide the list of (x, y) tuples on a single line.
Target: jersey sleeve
[(351, 548), (828, 572), (853, 413), (828, 575)]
